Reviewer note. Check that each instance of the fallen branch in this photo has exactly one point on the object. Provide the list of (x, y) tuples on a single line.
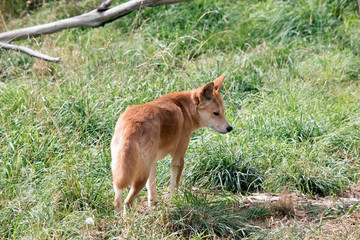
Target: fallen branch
[(96, 18), (29, 51)]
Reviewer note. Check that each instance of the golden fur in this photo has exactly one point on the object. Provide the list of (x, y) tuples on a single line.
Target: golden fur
[(149, 132)]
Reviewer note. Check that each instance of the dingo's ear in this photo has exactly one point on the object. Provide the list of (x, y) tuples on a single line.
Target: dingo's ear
[(207, 92), (218, 82)]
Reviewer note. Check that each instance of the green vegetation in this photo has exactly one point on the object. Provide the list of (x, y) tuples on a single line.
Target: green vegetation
[(292, 94)]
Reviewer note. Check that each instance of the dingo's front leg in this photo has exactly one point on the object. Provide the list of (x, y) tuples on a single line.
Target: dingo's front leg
[(177, 163), (177, 166)]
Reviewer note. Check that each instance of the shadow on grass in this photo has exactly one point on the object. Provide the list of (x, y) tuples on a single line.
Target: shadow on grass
[(195, 215)]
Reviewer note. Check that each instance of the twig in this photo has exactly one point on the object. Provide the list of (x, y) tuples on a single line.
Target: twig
[(104, 5), (28, 51)]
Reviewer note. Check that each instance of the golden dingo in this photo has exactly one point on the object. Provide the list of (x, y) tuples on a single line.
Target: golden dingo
[(149, 132)]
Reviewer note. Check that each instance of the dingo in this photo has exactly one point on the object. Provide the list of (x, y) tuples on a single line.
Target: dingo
[(147, 133)]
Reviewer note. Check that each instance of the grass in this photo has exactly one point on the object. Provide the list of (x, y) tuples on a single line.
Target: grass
[(291, 90), (197, 216)]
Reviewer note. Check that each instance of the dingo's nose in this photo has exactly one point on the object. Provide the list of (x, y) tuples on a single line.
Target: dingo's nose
[(229, 128)]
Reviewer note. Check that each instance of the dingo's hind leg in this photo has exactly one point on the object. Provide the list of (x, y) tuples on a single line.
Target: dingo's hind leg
[(136, 187), (118, 200), (151, 185)]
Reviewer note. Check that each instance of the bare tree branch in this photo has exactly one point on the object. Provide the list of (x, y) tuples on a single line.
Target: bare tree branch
[(90, 19), (96, 18), (28, 51)]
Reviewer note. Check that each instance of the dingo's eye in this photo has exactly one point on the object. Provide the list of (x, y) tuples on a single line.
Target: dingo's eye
[(216, 113)]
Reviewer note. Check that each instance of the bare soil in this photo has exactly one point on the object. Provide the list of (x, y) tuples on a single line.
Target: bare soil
[(335, 217)]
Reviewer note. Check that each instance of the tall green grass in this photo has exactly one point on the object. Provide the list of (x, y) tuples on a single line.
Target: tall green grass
[(291, 91)]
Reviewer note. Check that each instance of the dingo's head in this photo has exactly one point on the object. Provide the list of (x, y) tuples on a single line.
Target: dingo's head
[(210, 106)]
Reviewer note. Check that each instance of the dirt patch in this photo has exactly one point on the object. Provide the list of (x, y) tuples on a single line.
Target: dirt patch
[(333, 217)]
